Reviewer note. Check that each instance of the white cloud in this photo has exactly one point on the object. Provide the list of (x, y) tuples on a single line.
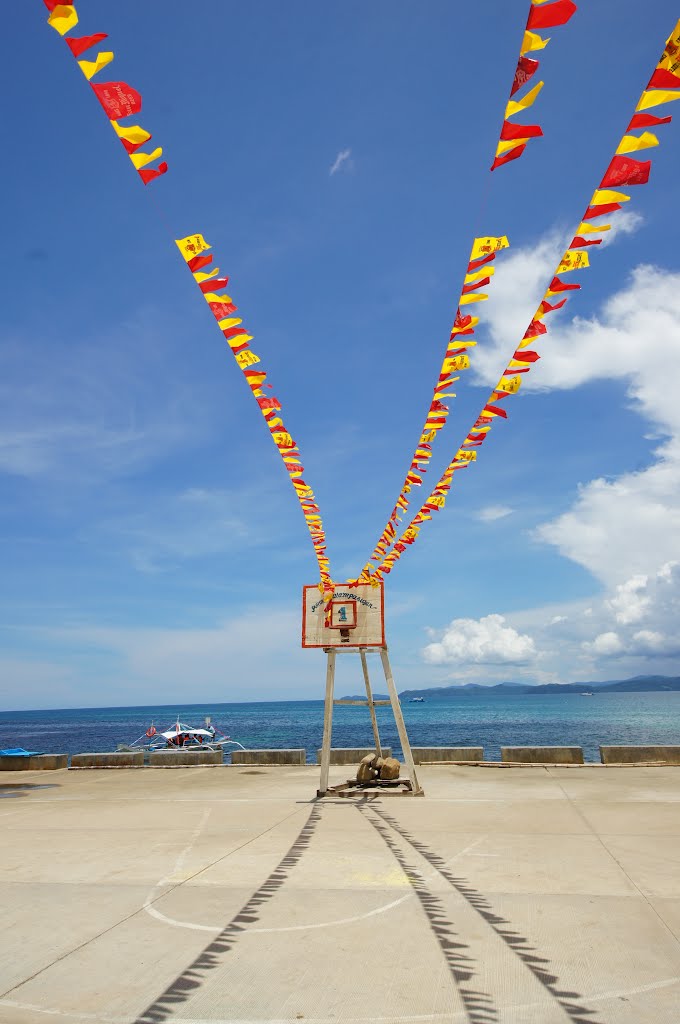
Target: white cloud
[(606, 644), (343, 157), (631, 601), (485, 641), (492, 512), (623, 222), (631, 524)]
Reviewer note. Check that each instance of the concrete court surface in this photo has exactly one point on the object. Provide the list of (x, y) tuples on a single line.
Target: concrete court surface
[(203, 895)]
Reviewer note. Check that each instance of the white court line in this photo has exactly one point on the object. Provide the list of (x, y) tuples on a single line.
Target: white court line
[(299, 927), (392, 1019)]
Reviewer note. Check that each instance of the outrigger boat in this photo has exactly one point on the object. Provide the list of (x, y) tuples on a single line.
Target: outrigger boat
[(179, 736)]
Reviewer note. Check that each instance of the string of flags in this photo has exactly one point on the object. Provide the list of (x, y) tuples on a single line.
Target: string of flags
[(193, 249), (456, 359), (623, 171), (514, 137), (121, 102), (118, 99)]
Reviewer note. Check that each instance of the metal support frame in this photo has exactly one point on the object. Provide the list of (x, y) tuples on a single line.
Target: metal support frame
[(371, 704)]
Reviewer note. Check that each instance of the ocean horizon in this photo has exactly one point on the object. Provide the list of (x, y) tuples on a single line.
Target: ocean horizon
[(480, 720)]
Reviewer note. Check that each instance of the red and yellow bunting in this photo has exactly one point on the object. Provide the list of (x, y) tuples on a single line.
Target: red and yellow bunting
[(622, 170), (222, 307), (514, 137), (118, 99), (456, 359)]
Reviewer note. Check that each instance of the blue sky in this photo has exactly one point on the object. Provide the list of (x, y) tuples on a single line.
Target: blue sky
[(150, 544)]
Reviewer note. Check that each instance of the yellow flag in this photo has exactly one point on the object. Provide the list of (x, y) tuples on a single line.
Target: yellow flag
[(514, 106), (90, 67), (532, 41), (606, 195), (655, 97), (191, 246), (585, 228), (134, 134), (670, 60), (214, 297), (474, 320), (239, 340), (505, 145), (632, 143), (247, 358), (201, 276), (231, 321), (510, 385), (62, 18), (282, 439), (573, 259), (463, 455), (472, 297), (142, 159), (484, 272), (455, 363), (483, 246)]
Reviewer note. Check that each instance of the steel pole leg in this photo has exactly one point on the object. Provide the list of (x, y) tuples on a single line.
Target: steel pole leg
[(399, 719), (369, 695), (327, 724)]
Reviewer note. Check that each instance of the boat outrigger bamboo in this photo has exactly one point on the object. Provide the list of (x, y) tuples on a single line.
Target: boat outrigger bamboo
[(181, 735)]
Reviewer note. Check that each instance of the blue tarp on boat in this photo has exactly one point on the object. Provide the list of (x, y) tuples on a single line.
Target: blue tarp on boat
[(18, 752)]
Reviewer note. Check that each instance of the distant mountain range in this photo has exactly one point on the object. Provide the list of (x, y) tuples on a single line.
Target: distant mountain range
[(638, 684)]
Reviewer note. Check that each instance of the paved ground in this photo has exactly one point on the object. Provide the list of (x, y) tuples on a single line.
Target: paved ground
[(517, 896)]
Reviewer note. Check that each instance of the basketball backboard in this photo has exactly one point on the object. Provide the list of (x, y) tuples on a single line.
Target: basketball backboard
[(357, 617)]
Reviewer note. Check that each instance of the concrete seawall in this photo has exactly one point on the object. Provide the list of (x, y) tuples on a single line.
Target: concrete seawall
[(34, 763), (542, 755), (430, 755), (640, 755), (294, 756)]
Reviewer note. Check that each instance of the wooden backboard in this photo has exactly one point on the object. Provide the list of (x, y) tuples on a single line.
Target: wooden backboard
[(357, 617)]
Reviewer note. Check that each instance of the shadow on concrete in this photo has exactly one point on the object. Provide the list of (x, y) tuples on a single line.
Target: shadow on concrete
[(570, 1002), (10, 790), (184, 986), (478, 1005)]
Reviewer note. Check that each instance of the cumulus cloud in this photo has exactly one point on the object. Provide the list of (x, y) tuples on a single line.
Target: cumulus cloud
[(343, 157), (493, 512), (606, 644), (629, 525), (485, 641)]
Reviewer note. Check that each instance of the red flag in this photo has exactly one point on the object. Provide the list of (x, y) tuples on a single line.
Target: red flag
[(559, 286), (545, 307), (475, 265), (623, 170), (51, 4), (269, 403), (132, 147), (78, 44), (467, 288), (535, 328), (438, 406), (526, 354), (118, 99), (507, 157), (600, 211), (497, 410), (520, 131), (155, 172), (663, 79), (550, 15), (214, 284), (526, 69), (647, 121), (233, 332), (198, 262), (222, 309), (581, 243)]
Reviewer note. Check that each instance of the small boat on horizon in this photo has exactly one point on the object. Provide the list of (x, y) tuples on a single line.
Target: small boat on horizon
[(181, 736), (417, 700)]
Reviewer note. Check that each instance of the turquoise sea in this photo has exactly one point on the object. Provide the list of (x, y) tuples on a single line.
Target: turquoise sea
[(490, 721)]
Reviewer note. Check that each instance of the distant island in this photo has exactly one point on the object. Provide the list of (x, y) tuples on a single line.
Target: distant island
[(638, 684)]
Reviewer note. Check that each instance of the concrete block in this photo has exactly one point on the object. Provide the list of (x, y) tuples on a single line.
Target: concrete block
[(422, 755), (35, 763), (123, 759), (542, 755), (184, 758), (636, 755), (296, 756), (351, 755)]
